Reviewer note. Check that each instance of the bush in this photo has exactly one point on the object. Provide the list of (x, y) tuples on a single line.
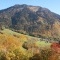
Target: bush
[(43, 55)]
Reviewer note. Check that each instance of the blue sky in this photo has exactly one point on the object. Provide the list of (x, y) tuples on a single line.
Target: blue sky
[(53, 5)]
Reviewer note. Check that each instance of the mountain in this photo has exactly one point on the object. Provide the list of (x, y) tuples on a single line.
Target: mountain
[(33, 20)]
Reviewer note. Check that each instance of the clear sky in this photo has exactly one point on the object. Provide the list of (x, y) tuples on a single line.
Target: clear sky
[(53, 5)]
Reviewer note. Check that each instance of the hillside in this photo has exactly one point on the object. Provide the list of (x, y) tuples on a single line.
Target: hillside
[(31, 20), (17, 46)]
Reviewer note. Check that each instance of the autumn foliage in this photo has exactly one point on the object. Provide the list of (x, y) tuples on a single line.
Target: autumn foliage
[(14, 46)]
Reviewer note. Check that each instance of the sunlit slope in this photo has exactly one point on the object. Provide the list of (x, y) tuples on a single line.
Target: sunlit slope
[(43, 44), (11, 46), (9, 41), (19, 39)]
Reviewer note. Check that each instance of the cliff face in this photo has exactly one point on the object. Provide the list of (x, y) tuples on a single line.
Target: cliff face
[(33, 20)]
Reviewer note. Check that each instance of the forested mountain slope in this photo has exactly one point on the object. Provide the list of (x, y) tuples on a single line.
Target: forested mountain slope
[(32, 20)]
